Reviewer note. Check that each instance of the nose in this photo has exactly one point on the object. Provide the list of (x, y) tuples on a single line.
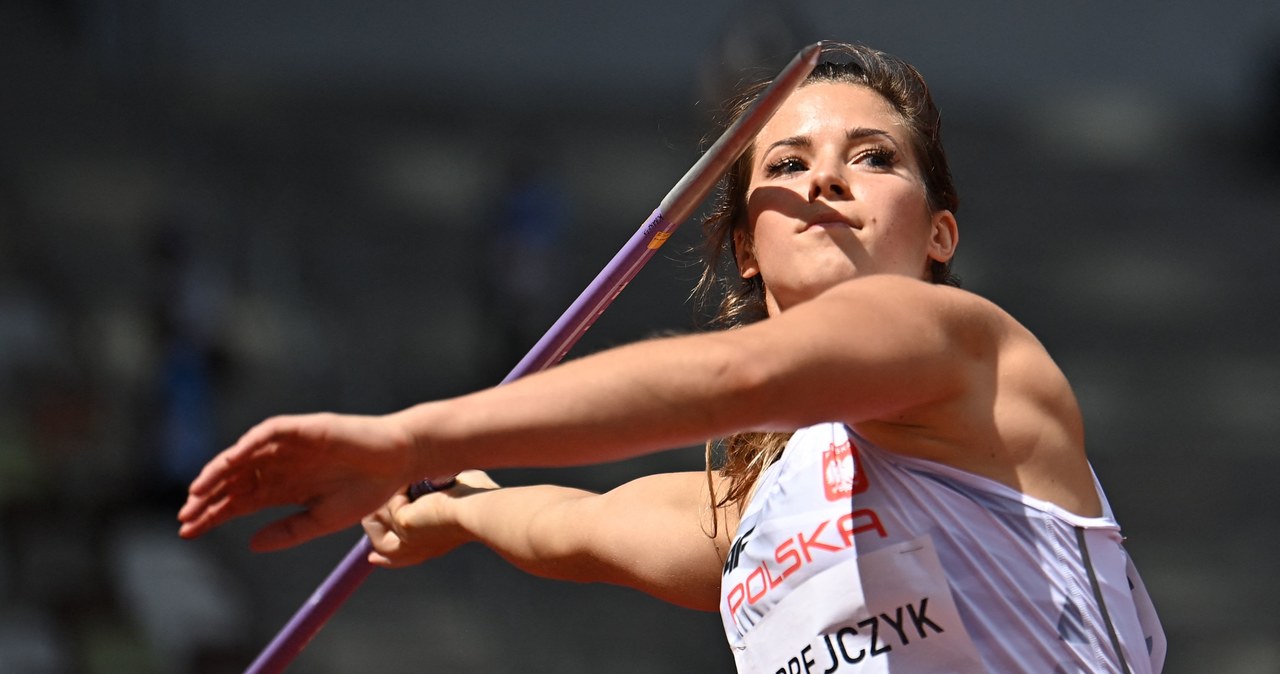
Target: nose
[(828, 182)]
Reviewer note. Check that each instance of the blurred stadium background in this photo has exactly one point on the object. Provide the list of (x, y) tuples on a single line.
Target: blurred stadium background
[(215, 212)]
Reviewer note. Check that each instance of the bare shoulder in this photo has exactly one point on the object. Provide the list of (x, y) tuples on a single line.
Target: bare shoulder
[(1037, 442), (1015, 419), (971, 315), (933, 299), (970, 324), (1018, 356), (1003, 368), (1003, 352)]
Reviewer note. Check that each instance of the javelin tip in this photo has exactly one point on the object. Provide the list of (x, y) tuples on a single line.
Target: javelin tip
[(811, 52)]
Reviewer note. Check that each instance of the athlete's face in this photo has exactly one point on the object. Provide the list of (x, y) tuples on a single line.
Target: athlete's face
[(834, 194)]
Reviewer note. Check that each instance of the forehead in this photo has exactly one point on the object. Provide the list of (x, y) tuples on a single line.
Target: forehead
[(830, 107)]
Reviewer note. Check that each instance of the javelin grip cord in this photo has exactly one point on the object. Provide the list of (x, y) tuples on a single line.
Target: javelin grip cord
[(674, 209)]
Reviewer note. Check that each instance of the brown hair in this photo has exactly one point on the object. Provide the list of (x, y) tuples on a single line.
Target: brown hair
[(740, 301)]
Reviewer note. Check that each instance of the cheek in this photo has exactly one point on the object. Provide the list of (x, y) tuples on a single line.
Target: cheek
[(908, 211), (759, 202), (775, 201), (764, 217)]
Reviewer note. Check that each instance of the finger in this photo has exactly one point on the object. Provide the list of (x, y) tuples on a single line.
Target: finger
[(190, 530), (213, 491), (275, 429), (213, 472), (382, 516), (248, 488), (234, 460), (407, 520), (192, 508), (395, 503), (216, 511), (380, 560), (243, 493), (206, 518), (266, 438), (384, 542), (375, 524)]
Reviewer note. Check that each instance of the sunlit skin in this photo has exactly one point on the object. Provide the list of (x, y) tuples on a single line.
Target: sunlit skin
[(842, 234), (834, 194)]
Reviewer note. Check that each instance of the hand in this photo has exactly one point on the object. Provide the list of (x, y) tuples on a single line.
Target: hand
[(404, 532), (337, 467)]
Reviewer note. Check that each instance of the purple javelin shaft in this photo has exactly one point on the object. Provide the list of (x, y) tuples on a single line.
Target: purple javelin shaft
[(674, 209)]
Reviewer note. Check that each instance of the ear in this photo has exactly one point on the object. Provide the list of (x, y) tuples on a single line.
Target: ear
[(945, 236), (744, 254)]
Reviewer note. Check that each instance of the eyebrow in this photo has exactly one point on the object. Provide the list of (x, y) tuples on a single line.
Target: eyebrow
[(856, 133)]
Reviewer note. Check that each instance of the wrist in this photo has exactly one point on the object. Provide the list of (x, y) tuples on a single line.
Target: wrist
[(414, 463), (422, 427), (461, 512)]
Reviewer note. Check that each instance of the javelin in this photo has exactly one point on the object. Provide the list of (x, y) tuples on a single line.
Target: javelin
[(674, 209)]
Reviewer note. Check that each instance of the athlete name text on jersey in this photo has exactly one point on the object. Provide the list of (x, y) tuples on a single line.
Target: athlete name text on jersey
[(850, 645)]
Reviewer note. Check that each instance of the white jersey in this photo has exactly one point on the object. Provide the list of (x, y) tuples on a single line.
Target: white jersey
[(850, 558)]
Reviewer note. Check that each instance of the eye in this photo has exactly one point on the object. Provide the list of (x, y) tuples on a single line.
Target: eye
[(877, 157), (785, 166)]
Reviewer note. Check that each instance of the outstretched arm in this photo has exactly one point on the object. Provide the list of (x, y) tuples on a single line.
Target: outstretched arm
[(882, 347), (652, 534), (878, 348)]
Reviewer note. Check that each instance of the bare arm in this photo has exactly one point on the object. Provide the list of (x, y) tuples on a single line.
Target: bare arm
[(882, 348), (652, 534)]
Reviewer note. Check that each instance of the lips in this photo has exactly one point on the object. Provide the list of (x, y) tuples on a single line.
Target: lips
[(827, 222), (828, 218)]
